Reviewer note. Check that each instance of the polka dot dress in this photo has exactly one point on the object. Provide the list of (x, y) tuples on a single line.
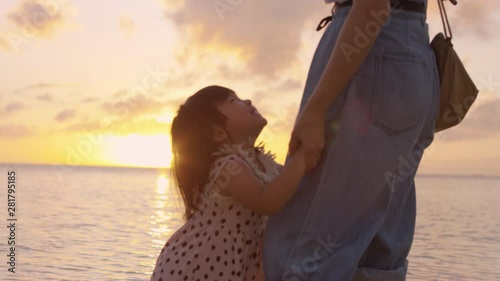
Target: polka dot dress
[(222, 241)]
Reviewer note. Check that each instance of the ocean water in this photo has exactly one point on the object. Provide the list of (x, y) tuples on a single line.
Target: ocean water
[(87, 223)]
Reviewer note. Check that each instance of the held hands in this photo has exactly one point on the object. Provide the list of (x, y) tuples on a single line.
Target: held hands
[(308, 137)]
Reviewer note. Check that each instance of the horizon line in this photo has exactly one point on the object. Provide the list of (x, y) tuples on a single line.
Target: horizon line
[(168, 168)]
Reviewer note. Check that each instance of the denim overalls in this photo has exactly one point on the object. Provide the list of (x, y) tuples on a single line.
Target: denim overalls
[(353, 216)]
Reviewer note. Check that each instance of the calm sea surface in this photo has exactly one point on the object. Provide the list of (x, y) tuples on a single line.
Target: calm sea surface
[(110, 223)]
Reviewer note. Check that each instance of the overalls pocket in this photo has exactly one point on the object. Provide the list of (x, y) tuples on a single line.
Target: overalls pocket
[(400, 96)]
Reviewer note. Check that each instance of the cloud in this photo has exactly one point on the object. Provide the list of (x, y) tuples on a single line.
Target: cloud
[(89, 100), (123, 126), (288, 90), (65, 115), (41, 19), (14, 131), (264, 35), (134, 106), (475, 18), (120, 94), (291, 85), (281, 118), (40, 86), (34, 19), (121, 112), (147, 126), (45, 97), (127, 25), (12, 107), (478, 18), (4, 43), (124, 113), (482, 121), (83, 126)]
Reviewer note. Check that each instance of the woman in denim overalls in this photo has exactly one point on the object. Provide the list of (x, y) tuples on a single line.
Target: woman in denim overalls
[(366, 117)]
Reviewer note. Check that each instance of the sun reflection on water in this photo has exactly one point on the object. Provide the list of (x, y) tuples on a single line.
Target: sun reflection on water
[(166, 216), (161, 184)]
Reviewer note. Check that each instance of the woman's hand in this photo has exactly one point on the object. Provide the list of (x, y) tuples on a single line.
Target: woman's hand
[(309, 134)]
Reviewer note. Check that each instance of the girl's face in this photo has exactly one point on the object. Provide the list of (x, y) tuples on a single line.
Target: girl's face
[(243, 119)]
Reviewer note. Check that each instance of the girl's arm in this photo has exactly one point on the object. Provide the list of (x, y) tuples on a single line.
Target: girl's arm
[(267, 199)]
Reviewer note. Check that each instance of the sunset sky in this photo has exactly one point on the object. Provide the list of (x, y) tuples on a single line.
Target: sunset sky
[(98, 82)]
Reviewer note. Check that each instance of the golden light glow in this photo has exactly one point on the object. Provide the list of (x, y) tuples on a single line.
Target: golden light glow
[(34, 130), (139, 150), (165, 117), (161, 184)]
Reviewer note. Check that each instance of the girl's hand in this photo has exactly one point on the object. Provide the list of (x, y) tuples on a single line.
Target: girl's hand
[(309, 135)]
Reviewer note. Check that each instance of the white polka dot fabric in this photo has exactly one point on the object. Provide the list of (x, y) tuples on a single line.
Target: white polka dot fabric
[(220, 242)]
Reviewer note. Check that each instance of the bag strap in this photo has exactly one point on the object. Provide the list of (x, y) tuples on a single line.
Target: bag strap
[(444, 18)]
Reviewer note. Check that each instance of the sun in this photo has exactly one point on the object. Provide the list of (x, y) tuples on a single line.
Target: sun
[(135, 150), (165, 117)]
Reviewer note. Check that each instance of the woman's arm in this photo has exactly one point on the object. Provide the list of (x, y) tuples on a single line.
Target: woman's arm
[(366, 19), (238, 180), (346, 58)]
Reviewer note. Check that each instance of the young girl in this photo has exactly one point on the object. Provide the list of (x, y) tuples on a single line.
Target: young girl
[(229, 186)]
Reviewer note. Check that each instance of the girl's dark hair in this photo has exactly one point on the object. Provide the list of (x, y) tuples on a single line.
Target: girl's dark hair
[(193, 144)]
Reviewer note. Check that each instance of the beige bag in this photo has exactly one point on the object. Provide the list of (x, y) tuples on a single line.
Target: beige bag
[(458, 91)]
